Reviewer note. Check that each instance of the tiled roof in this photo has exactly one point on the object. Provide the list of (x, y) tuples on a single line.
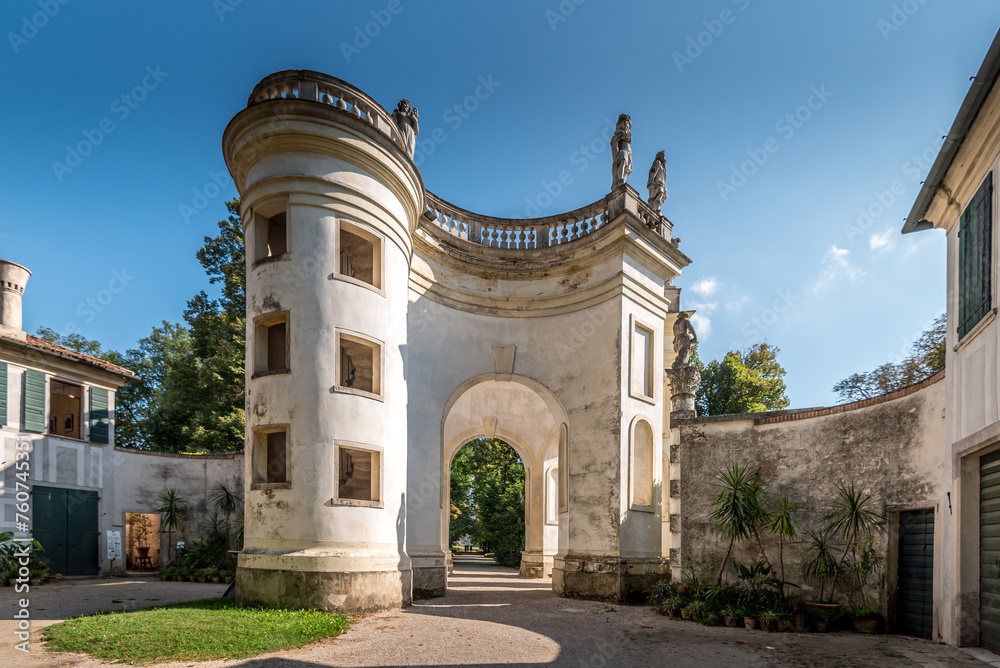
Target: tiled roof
[(49, 348)]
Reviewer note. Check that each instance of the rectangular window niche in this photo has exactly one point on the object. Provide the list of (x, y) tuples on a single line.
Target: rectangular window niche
[(359, 365), (271, 344), (642, 377), (270, 233), (359, 475), (270, 458), (360, 256)]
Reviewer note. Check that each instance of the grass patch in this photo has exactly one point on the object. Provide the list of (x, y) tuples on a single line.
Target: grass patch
[(216, 628)]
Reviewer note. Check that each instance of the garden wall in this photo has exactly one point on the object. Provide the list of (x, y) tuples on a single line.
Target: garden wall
[(141, 477), (891, 446)]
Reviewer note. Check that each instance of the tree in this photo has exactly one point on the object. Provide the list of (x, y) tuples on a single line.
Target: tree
[(927, 355), (172, 510), (745, 381), (75, 342), (492, 475)]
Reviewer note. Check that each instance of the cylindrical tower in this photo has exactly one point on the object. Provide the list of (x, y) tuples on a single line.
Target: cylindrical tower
[(13, 278), (329, 200)]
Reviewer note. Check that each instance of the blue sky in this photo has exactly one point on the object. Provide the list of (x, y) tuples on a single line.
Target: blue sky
[(782, 255)]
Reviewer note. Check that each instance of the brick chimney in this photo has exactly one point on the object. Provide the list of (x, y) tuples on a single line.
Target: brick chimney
[(13, 278)]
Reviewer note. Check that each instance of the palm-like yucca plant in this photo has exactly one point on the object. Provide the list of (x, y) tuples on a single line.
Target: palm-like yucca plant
[(851, 519), (784, 525), (819, 564), (172, 510), (738, 510), (227, 503)]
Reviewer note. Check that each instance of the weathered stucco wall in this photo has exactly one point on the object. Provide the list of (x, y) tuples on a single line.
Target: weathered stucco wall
[(141, 477), (891, 447)]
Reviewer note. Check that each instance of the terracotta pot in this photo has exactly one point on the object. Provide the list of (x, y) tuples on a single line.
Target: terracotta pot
[(685, 613), (819, 626), (783, 625), (733, 622), (695, 616), (768, 625), (815, 608), (215, 579), (673, 613), (750, 623), (799, 622), (143, 551), (865, 624)]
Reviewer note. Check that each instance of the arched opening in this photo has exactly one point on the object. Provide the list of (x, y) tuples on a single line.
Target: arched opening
[(488, 501), (527, 417)]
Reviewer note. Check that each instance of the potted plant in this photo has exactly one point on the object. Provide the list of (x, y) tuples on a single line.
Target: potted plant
[(739, 509), (821, 620), (676, 607), (862, 565), (172, 510), (851, 519), (820, 566), (749, 618), (694, 609), (799, 620), (783, 621), (732, 615), (865, 621), (768, 620)]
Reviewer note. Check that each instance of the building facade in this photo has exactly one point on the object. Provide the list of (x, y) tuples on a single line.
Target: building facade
[(387, 328)]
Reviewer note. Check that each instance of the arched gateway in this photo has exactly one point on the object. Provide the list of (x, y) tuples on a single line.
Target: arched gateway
[(387, 328)]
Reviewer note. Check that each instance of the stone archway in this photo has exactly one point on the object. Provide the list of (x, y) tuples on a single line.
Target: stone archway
[(527, 416)]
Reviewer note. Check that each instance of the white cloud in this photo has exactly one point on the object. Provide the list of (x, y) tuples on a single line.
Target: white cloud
[(837, 267), (702, 323), (883, 241), (702, 326), (736, 305), (706, 287)]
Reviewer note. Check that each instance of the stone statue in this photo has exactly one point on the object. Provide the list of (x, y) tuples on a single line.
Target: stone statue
[(406, 121), (684, 338), (621, 151), (657, 182)]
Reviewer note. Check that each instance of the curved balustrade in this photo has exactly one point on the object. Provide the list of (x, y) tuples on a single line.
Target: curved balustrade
[(529, 234), (322, 88)]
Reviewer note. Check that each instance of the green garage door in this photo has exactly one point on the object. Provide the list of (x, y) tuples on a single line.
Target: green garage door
[(64, 521), (915, 588), (989, 551)]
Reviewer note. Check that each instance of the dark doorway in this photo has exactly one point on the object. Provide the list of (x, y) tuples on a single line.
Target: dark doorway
[(915, 588), (64, 521)]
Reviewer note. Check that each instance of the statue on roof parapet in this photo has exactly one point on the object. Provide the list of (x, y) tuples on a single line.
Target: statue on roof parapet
[(621, 151), (406, 121), (657, 182)]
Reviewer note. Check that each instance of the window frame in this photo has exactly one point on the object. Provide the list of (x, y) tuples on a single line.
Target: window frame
[(259, 451), (261, 347), (259, 218), (378, 256), (635, 324), (378, 361), (379, 454), (965, 328)]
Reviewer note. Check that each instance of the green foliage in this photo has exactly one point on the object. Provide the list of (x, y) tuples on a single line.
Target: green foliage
[(75, 342), (739, 509), (229, 504), (925, 359), (783, 525), (745, 381), (488, 490), (820, 564), (207, 630), (10, 555), (172, 510), (854, 522), (209, 552)]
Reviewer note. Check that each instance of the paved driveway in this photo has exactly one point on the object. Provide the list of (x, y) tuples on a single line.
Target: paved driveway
[(492, 617)]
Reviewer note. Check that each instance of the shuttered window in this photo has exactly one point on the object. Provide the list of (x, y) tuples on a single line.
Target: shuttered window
[(34, 401), (100, 416), (975, 241), (3, 394)]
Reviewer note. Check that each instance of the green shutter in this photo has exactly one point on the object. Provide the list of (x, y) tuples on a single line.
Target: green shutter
[(34, 401), (3, 394), (100, 416), (975, 242)]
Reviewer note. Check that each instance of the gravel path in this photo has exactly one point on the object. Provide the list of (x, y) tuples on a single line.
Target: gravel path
[(493, 618)]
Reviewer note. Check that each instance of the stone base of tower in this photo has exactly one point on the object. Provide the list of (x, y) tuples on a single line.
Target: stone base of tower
[(287, 581), (535, 564), (612, 579), (430, 575)]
